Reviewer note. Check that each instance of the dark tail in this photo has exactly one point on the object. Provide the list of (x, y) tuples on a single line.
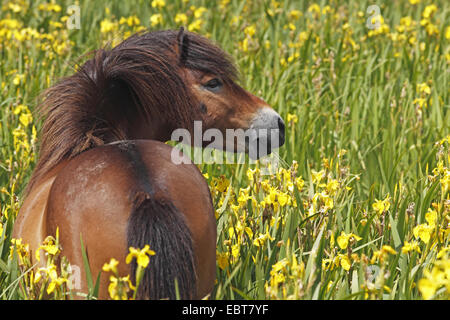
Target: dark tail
[(160, 225)]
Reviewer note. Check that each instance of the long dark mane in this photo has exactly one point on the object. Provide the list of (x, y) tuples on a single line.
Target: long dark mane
[(140, 79)]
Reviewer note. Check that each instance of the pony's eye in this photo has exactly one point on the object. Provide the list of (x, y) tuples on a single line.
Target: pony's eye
[(213, 85)]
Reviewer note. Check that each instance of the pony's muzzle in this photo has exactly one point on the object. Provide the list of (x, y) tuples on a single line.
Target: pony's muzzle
[(266, 133)]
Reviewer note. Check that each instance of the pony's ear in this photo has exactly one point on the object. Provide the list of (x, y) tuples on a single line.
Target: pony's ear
[(182, 45)]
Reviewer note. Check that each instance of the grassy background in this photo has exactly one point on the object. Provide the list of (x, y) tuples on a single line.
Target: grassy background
[(356, 105)]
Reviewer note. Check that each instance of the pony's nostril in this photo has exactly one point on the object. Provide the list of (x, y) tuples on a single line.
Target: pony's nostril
[(281, 127), (281, 124)]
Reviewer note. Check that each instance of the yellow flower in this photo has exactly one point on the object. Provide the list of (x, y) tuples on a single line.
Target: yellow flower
[(314, 9), (199, 12), (50, 246), (439, 168), (181, 18), (412, 40), (156, 19), (299, 183), (280, 266), (49, 7), (423, 231), (56, 282), (423, 88), (107, 25), (294, 14), (429, 11), (224, 4), (427, 288), (21, 108), (344, 261), (378, 206), (243, 198), (22, 249), (142, 256), (381, 254), (344, 238), (158, 4), (442, 252), (235, 249), (290, 186), (438, 277), (447, 138), (251, 173), (244, 45), (421, 102), (235, 21), (112, 288), (111, 266), (119, 287), (17, 79), (388, 249), (445, 181), (332, 186), (413, 246), (235, 208), (261, 240), (406, 21), (277, 278), (327, 200), (196, 25), (222, 260), (381, 206), (249, 232), (292, 118), (291, 27), (431, 217), (221, 184), (327, 264), (432, 29), (130, 21), (272, 195), (250, 30), (25, 119), (317, 176), (14, 7), (282, 198), (326, 9)]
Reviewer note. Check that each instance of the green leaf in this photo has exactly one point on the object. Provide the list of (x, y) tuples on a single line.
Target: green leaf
[(87, 270)]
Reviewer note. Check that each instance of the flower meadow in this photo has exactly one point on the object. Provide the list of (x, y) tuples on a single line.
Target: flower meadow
[(359, 206)]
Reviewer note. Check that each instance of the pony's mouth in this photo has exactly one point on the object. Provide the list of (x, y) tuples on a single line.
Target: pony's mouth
[(264, 145)]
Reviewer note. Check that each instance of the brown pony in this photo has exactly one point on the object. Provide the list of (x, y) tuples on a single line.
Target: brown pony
[(104, 172)]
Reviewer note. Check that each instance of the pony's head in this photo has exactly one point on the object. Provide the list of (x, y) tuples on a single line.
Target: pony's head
[(209, 83)]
